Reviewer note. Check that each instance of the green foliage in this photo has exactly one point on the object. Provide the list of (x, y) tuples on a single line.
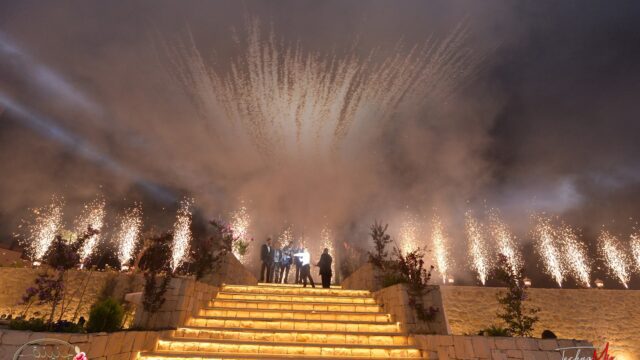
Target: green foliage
[(495, 330), (519, 318), (381, 239), (105, 315), (39, 325)]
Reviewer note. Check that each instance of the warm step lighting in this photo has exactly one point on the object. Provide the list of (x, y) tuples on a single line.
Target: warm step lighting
[(293, 315), (294, 291), (271, 321), (295, 298), (230, 346), (249, 323), (275, 305), (295, 336)]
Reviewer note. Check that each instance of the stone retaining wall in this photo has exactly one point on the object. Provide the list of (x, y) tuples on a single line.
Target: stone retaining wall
[(597, 315), (15, 281), (395, 301), (496, 348), (123, 345)]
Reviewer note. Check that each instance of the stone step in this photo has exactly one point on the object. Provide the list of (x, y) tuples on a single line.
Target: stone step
[(295, 298), (288, 305), (316, 337), (296, 285), (223, 356), (275, 324), (294, 314), (233, 346), (294, 290)]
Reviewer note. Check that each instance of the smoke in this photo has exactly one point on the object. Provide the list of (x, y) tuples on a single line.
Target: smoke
[(537, 114)]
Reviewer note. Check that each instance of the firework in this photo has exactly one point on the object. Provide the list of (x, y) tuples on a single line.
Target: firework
[(549, 249), (326, 242), (240, 222), (290, 101), (478, 250), (181, 235), (127, 237), (286, 237), (575, 255), (44, 228), (91, 217), (441, 250), (505, 242), (635, 249), (409, 232), (614, 257)]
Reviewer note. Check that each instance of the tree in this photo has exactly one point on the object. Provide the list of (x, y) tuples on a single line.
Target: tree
[(379, 257), (519, 318)]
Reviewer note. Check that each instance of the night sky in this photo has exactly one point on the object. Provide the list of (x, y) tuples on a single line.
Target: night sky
[(549, 119)]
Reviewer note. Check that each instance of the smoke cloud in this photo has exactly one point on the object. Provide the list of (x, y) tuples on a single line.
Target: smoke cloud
[(535, 111)]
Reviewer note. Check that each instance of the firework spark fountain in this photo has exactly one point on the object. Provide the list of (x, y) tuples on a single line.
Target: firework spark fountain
[(127, 237), (548, 248), (91, 217), (181, 235), (574, 256), (44, 228), (409, 233), (326, 242), (286, 237), (614, 257), (240, 222), (635, 249), (505, 242), (290, 101), (478, 250), (441, 250)]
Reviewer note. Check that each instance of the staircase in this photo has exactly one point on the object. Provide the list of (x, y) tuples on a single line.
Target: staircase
[(271, 321)]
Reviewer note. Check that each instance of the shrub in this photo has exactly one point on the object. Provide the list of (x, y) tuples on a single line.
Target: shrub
[(495, 330), (32, 324), (105, 315)]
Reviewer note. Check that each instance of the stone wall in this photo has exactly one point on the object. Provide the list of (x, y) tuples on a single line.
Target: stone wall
[(184, 297), (230, 271), (124, 345), (363, 279), (496, 348), (14, 282), (395, 301), (596, 315)]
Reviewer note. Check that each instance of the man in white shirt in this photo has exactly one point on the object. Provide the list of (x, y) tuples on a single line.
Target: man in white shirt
[(305, 271)]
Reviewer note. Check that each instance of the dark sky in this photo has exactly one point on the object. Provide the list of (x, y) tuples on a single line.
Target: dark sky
[(549, 121)]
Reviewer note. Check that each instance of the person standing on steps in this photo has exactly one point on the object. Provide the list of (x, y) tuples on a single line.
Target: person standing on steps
[(265, 257), (276, 263), (296, 262), (325, 268), (305, 268), (286, 263)]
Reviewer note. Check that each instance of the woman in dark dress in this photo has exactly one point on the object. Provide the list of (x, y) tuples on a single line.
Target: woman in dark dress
[(325, 268)]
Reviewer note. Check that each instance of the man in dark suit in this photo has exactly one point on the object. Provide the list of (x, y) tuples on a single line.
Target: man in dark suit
[(266, 257), (325, 268)]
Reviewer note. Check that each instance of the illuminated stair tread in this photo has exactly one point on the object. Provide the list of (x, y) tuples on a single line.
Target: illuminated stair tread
[(304, 336), (294, 297), (247, 347), (288, 305), (272, 321), (274, 289), (270, 324), (238, 356), (294, 285)]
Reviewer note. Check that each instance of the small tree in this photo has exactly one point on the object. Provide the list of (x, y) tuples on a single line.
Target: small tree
[(519, 318), (157, 275), (379, 257)]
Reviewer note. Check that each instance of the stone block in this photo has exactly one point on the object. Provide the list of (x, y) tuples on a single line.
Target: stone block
[(497, 354), (127, 342), (138, 341), (14, 337), (114, 343), (481, 347), (505, 343), (526, 343), (98, 346), (514, 354), (548, 344), (443, 340)]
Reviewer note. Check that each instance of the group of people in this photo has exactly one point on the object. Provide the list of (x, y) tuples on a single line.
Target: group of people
[(276, 263)]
